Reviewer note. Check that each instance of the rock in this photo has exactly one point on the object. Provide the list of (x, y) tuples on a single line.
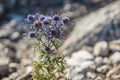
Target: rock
[(114, 71), (114, 45), (5, 78), (13, 76), (99, 78), (76, 73), (98, 61), (1, 49), (115, 58), (4, 65), (79, 57), (91, 75), (98, 28), (116, 77), (15, 36), (13, 65), (7, 29), (106, 60), (87, 66), (101, 49), (103, 69), (78, 77), (25, 73), (26, 62)]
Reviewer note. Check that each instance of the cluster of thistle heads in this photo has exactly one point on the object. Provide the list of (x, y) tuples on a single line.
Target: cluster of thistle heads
[(46, 28)]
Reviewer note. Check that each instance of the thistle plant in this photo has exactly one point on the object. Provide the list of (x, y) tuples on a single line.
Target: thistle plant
[(47, 30)]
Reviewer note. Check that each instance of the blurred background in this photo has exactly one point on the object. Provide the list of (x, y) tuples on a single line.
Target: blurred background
[(16, 53)]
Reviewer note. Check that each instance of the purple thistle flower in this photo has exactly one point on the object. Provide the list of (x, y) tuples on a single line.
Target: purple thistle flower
[(46, 22), (42, 17), (56, 17), (32, 34), (30, 18), (65, 20), (54, 33)]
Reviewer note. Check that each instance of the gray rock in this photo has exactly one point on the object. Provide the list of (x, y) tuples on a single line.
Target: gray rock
[(114, 71), (114, 45), (116, 77), (91, 75), (79, 57), (7, 29), (13, 76), (90, 29), (103, 69), (4, 63), (79, 77), (5, 78), (25, 73), (79, 72), (101, 49), (99, 78), (106, 60), (115, 58), (15, 36), (1, 49), (87, 66), (98, 61), (25, 62), (13, 65)]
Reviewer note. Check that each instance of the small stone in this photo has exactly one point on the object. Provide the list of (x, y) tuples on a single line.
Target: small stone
[(113, 71), (5, 78), (103, 69), (91, 75), (114, 45), (4, 62), (98, 61), (15, 36), (26, 73), (80, 57), (13, 65), (115, 58), (78, 77), (116, 77), (1, 49), (26, 61), (88, 66), (67, 6), (99, 78), (101, 49), (13, 76), (7, 29), (106, 60)]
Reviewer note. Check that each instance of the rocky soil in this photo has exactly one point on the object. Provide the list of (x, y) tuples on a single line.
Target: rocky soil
[(92, 45)]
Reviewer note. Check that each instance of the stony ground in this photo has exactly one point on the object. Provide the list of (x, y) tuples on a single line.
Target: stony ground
[(93, 55)]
